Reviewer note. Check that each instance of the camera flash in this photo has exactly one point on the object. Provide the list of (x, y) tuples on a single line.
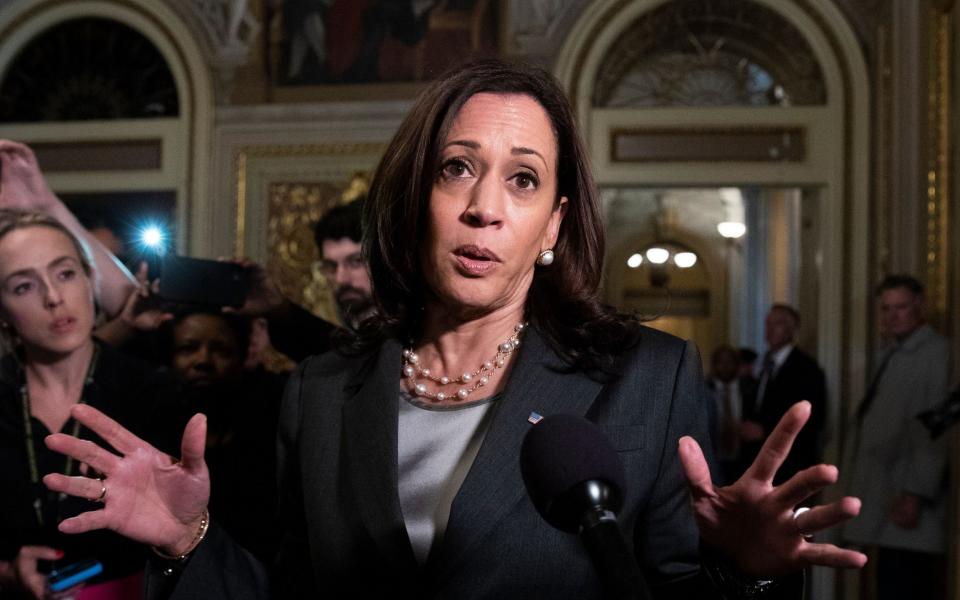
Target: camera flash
[(152, 237)]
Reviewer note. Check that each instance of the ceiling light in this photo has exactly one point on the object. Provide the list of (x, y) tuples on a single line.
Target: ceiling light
[(731, 229), (685, 260), (657, 255)]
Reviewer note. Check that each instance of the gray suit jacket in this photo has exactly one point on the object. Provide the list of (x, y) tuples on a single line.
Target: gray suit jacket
[(893, 453), (344, 530)]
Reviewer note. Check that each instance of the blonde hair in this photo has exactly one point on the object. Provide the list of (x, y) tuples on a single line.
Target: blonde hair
[(13, 220)]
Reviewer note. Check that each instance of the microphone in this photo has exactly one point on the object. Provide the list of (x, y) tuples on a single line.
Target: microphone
[(574, 479)]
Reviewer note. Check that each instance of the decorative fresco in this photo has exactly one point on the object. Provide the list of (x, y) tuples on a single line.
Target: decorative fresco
[(319, 42)]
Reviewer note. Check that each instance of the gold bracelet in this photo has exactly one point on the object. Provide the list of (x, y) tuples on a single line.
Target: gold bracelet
[(201, 533)]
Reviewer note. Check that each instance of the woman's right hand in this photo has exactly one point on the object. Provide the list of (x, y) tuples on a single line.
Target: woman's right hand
[(264, 297), (150, 496)]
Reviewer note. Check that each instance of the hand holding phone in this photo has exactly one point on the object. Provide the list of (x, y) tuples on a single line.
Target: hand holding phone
[(26, 568), (199, 281), (66, 577)]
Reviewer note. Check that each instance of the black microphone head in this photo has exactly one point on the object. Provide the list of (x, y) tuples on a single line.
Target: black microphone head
[(560, 454)]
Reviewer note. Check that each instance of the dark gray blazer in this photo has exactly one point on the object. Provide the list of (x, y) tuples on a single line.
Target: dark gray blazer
[(343, 527)]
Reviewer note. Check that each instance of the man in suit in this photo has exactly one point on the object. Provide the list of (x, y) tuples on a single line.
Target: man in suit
[(788, 376), (892, 461), (726, 391)]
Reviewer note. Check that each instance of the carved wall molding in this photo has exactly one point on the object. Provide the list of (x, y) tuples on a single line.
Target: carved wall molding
[(226, 30), (536, 28), (318, 152)]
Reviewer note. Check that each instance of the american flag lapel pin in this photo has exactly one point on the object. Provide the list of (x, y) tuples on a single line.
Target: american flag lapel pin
[(534, 418)]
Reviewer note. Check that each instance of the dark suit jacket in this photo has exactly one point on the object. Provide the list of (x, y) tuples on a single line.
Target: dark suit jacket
[(798, 378), (344, 531)]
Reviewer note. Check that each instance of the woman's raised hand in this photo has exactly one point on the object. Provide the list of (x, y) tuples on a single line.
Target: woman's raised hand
[(147, 495), (752, 521), (22, 185)]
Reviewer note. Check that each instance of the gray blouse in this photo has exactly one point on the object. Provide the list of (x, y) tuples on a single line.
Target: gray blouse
[(436, 447)]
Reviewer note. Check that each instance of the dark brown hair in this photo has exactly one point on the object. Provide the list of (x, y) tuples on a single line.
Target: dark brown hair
[(341, 221), (563, 302)]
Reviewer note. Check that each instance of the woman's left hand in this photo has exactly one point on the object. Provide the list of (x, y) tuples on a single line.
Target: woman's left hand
[(752, 521)]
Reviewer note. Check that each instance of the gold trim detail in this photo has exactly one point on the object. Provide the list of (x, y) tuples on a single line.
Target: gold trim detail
[(246, 153), (938, 190)]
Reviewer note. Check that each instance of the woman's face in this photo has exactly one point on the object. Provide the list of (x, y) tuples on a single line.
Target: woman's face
[(206, 350), (45, 295), (493, 206)]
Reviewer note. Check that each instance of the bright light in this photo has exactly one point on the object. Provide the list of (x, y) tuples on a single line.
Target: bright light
[(635, 260), (731, 229), (152, 237), (685, 260), (657, 255)]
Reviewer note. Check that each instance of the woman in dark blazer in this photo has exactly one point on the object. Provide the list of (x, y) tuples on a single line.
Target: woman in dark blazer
[(399, 454)]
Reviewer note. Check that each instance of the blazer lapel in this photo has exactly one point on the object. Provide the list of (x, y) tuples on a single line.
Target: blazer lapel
[(494, 484), (370, 445)]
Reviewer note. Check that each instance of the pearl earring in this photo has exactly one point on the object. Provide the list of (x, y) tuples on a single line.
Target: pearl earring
[(546, 258)]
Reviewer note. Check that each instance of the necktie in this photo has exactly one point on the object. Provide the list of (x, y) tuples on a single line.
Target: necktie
[(729, 441), (765, 376)]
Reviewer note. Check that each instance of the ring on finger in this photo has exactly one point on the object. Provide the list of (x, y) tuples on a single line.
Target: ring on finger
[(103, 491), (796, 514)]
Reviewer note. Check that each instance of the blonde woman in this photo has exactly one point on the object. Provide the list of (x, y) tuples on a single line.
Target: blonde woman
[(47, 312)]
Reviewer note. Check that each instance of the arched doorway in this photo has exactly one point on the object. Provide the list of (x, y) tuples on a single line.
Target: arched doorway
[(800, 141), (174, 147)]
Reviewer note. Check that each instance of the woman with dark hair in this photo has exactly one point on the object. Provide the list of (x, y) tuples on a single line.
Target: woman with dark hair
[(563, 302), (399, 471)]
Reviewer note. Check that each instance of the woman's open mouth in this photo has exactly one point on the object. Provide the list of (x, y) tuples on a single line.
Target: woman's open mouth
[(475, 261)]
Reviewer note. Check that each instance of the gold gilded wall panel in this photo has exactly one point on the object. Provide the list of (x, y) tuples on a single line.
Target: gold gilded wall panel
[(938, 168), (281, 192), (292, 255)]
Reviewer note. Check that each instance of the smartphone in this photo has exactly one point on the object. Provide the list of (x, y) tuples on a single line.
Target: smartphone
[(187, 280), (66, 577)]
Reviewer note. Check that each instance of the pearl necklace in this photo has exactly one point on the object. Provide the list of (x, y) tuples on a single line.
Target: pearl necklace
[(472, 381)]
